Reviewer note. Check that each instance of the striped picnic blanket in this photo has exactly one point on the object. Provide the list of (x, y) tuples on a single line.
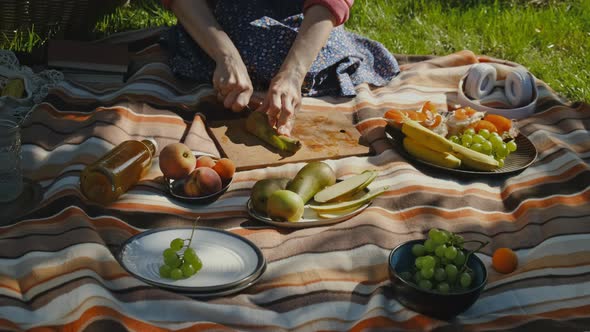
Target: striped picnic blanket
[(58, 269)]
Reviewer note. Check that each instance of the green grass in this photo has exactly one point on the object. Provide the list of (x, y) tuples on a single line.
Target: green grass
[(550, 37), (23, 40), (139, 14)]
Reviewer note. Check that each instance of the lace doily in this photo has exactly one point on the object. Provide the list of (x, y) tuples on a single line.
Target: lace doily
[(37, 86)]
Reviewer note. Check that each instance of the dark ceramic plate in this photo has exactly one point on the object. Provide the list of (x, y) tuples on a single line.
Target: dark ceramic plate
[(516, 162)]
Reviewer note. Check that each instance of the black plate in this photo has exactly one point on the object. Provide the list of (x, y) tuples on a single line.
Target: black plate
[(516, 162)]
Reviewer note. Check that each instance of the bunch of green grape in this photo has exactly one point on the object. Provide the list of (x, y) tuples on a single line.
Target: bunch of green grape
[(440, 263), (486, 142), (179, 265)]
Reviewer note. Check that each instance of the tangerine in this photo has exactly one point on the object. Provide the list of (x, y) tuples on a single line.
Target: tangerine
[(464, 113), (394, 115), (504, 260), (428, 106)]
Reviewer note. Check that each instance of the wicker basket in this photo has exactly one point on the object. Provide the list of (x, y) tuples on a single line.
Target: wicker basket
[(72, 19)]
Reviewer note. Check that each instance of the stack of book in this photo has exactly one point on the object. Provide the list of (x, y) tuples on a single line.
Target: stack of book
[(89, 62)]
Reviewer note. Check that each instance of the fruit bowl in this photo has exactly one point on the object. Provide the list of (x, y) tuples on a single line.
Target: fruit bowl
[(431, 302), (176, 188)]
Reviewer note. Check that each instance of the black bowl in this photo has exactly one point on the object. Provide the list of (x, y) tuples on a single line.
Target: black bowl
[(176, 189), (431, 302)]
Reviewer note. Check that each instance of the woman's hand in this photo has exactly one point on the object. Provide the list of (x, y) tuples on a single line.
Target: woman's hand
[(230, 78), (232, 83), (284, 95), (282, 101)]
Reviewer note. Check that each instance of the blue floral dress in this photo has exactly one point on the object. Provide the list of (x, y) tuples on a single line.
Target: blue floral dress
[(263, 32)]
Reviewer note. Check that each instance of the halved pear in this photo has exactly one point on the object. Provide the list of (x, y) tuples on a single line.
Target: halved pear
[(346, 187), (340, 206)]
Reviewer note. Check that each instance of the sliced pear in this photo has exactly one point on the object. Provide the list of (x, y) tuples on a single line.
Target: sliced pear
[(338, 214), (345, 187), (340, 206), (348, 197)]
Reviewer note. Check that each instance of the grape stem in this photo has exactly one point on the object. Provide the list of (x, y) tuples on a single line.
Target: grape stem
[(481, 245), (193, 232)]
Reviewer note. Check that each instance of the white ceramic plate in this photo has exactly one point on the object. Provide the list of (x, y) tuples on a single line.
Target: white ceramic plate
[(229, 260), (223, 292), (310, 217)]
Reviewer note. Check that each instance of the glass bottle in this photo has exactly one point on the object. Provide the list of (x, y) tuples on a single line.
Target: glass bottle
[(118, 170)]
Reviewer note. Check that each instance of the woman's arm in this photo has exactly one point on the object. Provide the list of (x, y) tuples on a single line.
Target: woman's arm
[(284, 96), (230, 78)]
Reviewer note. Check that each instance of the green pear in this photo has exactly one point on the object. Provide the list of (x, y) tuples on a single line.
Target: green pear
[(262, 189), (285, 205), (312, 178)]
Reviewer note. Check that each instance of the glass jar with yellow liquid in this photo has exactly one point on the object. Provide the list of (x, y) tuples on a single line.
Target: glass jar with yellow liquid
[(118, 170)]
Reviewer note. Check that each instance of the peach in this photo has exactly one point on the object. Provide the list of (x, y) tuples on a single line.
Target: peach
[(202, 181), (225, 168), (205, 161), (177, 161)]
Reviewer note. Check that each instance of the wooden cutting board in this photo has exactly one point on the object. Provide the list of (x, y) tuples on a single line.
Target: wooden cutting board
[(324, 135)]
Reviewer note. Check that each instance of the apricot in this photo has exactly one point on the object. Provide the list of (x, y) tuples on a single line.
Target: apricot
[(225, 168), (502, 123), (176, 161), (205, 161), (484, 124), (202, 181)]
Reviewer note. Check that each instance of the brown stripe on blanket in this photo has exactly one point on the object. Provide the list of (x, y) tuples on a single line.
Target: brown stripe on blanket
[(368, 275), (137, 106), (128, 294), (50, 139), (520, 234), (107, 270), (514, 324), (286, 304), (556, 115), (547, 280), (139, 219), (47, 243), (559, 127), (164, 99)]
